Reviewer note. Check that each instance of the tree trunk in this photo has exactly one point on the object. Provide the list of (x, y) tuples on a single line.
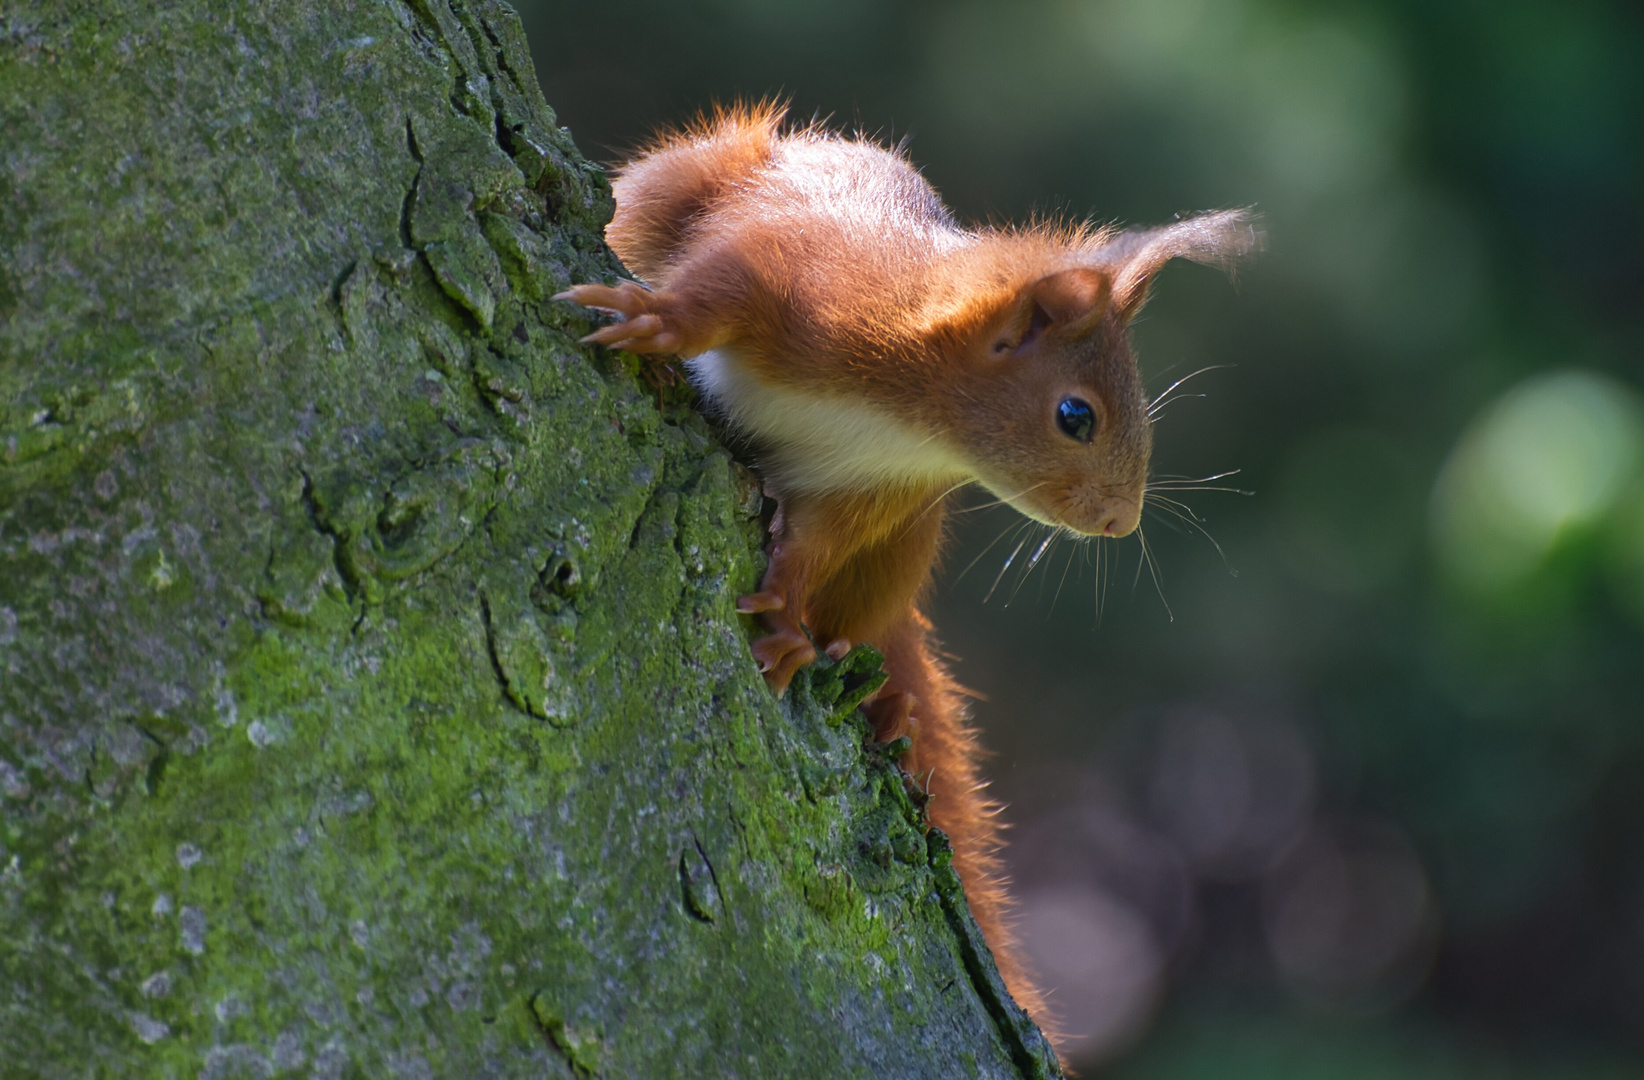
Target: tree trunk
[(373, 699)]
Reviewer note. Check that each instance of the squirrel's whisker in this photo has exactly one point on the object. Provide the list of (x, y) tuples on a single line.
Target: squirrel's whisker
[(1153, 569), (1002, 569), (1013, 527), (1160, 397)]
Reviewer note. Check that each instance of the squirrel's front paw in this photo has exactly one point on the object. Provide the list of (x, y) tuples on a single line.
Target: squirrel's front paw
[(643, 328), (782, 652), (755, 603)]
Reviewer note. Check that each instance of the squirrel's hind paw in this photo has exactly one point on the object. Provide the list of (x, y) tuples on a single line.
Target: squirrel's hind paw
[(782, 653), (891, 714)]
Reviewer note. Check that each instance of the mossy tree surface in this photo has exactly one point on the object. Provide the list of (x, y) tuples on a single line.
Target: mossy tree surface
[(372, 699)]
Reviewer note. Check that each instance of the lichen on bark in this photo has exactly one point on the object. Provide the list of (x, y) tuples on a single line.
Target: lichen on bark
[(372, 698)]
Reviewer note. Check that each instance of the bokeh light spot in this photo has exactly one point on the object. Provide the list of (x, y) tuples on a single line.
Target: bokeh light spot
[(1100, 958), (1553, 454), (1350, 921), (1233, 794)]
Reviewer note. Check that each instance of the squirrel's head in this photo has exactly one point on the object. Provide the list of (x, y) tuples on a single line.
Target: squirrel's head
[(1059, 426)]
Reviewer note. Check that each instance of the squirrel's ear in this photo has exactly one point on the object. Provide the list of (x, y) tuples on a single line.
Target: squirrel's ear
[(1073, 299), (1222, 239)]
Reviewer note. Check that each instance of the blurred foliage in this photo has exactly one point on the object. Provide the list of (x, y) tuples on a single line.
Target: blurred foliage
[(1433, 394)]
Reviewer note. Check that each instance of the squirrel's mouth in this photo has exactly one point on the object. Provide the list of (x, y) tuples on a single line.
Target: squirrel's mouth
[(1102, 515), (1078, 503), (1092, 511), (1115, 517)]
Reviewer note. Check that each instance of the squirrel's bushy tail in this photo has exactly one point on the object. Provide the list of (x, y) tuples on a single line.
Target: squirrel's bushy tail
[(945, 760), (681, 173)]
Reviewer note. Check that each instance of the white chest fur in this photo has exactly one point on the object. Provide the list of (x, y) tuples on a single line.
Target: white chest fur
[(815, 443)]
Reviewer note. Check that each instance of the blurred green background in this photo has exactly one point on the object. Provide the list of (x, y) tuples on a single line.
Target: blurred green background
[(1367, 798)]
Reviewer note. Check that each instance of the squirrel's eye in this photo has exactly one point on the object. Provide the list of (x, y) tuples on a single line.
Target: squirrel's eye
[(1076, 419)]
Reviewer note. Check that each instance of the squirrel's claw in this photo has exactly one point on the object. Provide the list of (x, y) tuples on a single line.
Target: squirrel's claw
[(754, 603), (641, 329), (782, 653), (626, 298), (891, 714), (644, 334)]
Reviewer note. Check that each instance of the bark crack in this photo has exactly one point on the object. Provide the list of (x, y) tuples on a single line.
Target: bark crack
[(491, 650), (579, 1051), (1029, 1049)]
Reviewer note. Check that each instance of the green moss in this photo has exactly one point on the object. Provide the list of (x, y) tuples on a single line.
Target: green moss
[(373, 698)]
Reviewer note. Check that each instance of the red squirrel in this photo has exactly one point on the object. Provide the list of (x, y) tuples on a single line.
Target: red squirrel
[(878, 355)]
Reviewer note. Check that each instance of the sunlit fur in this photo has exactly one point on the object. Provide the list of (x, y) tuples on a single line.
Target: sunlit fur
[(815, 442), (877, 354)]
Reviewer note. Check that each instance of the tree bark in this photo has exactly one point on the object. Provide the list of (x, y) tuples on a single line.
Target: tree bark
[(372, 700)]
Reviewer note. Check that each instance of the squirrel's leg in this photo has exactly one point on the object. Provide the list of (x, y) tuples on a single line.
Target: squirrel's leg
[(872, 587), (794, 553), (843, 565), (655, 323)]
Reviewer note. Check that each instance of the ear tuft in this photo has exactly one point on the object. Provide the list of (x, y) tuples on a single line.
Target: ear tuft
[(1223, 239)]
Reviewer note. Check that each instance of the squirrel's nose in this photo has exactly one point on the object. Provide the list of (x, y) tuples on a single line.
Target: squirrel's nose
[(1120, 520)]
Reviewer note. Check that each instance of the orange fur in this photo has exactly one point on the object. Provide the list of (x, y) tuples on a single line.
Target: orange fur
[(930, 706), (878, 355)]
